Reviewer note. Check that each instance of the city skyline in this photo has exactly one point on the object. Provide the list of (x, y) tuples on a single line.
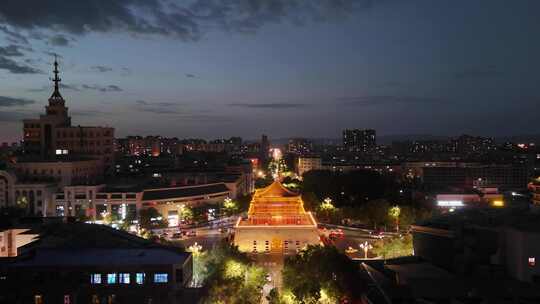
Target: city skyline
[(216, 69)]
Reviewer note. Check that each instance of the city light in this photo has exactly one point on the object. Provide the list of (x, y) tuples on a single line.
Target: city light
[(366, 247), (498, 203), (450, 204)]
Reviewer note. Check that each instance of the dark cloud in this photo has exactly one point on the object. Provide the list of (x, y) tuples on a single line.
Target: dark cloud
[(101, 68), (13, 36), (89, 113), (78, 88), (13, 116), (59, 40), (125, 71), (157, 107), (14, 102), (81, 17), (11, 51), (63, 86), (268, 105), (52, 54), (478, 72), (108, 88), (15, 67), (190, 76), (387, 99), (249, 16), (184, 20)]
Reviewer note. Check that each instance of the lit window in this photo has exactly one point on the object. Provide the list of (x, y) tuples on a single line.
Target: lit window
[(123, 278), (111, 278), (532, 261), (95, 278), (161, 277), (38, 299), (139, 278)]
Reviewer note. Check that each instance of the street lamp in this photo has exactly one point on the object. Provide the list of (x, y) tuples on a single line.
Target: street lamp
[(195, 249), (327, 206), (366, 247)]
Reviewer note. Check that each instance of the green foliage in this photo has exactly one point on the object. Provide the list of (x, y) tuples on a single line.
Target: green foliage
[(263, 182), (395, 247), (229, 275), (243, 202), (311, 201), (186, 213), (22, 202), (230, 206), (146, 216), (321, 273), (347, 189)]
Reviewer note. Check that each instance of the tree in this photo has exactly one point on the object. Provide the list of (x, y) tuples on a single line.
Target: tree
[(186, 213), (375, 212), (395, 247), (230, 206), (311, 202), (394, 213), (322, 273), (231, 277), (150, 218)]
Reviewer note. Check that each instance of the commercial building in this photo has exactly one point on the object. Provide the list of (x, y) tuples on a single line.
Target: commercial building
[(121, 202), (276, 223), (86, 263), (359, 140), (35, 196), (53, 134), (463, 175), (308, 163), (300, 146), (493, 240)]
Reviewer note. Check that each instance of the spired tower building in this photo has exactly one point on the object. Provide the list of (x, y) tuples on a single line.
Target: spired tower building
[(52, 134), (276, 223)]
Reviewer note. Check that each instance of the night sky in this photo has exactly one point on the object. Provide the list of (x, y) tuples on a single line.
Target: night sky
[(209, 68)]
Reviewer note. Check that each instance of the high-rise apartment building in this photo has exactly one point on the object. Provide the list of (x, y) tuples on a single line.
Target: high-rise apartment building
[(359, 140)]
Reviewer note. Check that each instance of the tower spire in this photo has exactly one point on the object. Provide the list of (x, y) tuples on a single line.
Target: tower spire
[(56, 94)]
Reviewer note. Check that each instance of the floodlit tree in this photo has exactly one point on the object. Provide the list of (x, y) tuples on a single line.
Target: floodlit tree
[(150, 218), (395, 247), (230, 206), (394, 213), (185, 213), (321, 274), (327, 207)]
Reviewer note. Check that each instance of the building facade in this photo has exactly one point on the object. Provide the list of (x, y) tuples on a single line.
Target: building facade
[(359, 140), (305, 164), (52, 134)]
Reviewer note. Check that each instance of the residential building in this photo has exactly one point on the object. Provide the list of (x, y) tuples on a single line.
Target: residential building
[(88, 263), (359, 140), (307, 163)]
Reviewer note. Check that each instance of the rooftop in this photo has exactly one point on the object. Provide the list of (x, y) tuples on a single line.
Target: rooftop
[(115, 256), (188, 191)]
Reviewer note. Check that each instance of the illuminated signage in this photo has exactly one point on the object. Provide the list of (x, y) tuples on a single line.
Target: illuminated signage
[(450, 203)]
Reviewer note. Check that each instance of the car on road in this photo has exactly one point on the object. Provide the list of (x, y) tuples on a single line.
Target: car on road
[(223, 230), (336, 233), (176, 235), (164, 235), (192, 233)]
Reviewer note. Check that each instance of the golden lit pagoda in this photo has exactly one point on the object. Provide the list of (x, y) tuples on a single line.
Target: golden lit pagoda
[(276, 223)]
